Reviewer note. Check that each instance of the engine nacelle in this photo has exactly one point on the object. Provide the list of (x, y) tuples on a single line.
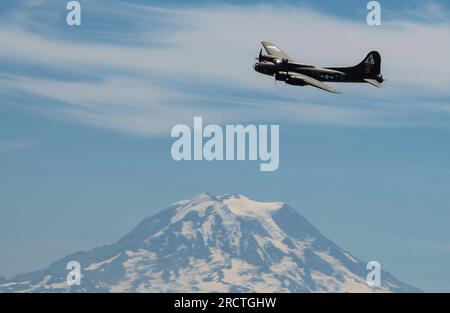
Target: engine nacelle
[(288, 79), (294, 81), (264, 68), (281, 76)]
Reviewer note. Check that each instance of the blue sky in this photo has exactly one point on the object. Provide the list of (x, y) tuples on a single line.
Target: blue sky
[(86, 113)]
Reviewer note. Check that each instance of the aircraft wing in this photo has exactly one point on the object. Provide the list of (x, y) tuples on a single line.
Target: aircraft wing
[(313, 82), (274, 50)]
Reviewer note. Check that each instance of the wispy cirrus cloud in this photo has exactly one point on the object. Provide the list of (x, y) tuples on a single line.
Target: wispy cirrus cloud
[(13, 145), (143, 79)]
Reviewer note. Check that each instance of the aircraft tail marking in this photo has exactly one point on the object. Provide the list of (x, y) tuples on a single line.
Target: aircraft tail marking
[(371, 65)]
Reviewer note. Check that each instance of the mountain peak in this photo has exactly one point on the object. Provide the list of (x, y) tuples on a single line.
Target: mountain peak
[(228, 243), (237, 204), (242, 205), (204, 196)]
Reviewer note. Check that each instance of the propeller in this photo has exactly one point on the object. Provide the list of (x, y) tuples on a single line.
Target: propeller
[(259, 58), (268, 58)]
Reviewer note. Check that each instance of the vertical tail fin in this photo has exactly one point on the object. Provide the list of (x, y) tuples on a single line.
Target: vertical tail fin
[(371, 65)]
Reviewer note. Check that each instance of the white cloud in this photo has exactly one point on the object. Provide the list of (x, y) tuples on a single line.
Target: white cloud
[(216, 45), (8, 146)]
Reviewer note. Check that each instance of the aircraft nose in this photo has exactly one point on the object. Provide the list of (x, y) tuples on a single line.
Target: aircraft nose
[(256, 66)]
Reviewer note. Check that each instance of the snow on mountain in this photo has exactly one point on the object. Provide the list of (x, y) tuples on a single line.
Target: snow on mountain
[(214, 244)]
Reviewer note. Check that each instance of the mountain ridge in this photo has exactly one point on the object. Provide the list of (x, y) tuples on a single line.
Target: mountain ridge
[(227, 243)]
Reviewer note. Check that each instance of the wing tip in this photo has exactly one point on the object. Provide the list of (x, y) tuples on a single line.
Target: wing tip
[(266, 43)]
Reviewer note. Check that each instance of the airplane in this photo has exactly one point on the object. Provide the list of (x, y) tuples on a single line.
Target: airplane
[(283, 68)]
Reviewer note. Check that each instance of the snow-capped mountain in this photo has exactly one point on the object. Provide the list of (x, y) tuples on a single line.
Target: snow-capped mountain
[(214, 244)]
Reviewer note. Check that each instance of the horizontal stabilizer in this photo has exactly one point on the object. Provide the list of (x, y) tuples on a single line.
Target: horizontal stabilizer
[(373, 82)]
